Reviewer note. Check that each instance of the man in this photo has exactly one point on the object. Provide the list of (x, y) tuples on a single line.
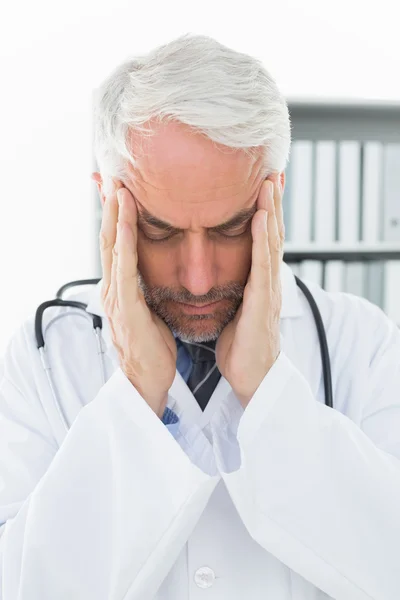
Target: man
[(207, 463)]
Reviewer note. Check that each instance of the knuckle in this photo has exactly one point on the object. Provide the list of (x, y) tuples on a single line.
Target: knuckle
[(119, 273), (107, 299), (265, 267), (110, 305), (104, 290), (278, 306), (104, 241)]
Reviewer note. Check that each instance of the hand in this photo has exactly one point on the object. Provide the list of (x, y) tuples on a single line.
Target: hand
[(250, 344), (146, 346)]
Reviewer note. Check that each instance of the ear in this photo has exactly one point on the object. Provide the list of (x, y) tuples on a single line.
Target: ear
[(99, 182)]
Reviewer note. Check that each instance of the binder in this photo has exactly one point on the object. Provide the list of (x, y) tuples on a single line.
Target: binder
[(372, 191), (325, 191), (391, 227), (301, 191), (334, 281), (349, 191), (354, 278), (391, 193), (392, 290), (374, 288), (311, 270)]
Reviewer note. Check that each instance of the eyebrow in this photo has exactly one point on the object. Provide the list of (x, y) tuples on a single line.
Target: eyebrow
[(145, 218)]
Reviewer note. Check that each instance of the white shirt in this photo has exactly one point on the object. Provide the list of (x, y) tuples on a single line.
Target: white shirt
[(288, 499)]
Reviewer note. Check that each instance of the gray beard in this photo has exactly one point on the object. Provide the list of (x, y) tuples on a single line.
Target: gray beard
[(181, 326)]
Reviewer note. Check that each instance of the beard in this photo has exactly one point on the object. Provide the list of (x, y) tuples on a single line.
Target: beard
[(164, 302)]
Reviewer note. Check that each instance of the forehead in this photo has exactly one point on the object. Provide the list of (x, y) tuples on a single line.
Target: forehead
[(184, 178)]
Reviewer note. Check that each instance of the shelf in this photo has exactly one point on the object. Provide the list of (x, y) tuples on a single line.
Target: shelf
[(342, 103), (323, 119), (340, 251)]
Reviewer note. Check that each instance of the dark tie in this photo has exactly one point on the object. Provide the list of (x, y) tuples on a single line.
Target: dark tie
[(204, 375)]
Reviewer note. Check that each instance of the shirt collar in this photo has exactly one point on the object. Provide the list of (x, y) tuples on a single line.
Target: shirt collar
[(291, 303)]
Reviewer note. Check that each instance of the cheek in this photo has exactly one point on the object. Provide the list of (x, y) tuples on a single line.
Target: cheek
[(234, 260), (155, 263)]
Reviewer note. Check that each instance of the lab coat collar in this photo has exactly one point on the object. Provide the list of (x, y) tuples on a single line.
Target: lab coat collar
[(291, 304)]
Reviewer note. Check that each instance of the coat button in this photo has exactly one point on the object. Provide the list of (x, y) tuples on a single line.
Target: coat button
[(204, 577)]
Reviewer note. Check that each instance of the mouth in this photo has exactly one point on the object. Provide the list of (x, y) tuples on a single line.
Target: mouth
[(199, 309)]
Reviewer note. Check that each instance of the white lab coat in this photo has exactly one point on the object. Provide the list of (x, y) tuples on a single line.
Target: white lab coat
[(288, 499)]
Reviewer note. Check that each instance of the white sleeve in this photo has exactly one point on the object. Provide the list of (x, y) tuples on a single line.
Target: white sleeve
[(315, 489), (104, 515)]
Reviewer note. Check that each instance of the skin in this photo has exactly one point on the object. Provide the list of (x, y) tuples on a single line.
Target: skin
[(186, 181)]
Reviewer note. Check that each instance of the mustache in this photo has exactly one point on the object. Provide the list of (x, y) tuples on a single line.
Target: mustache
[(159, 294)]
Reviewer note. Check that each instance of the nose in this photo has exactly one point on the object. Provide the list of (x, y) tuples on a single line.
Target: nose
[(197, 269)]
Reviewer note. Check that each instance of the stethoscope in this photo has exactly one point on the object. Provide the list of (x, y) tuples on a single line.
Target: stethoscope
[(98, 324)]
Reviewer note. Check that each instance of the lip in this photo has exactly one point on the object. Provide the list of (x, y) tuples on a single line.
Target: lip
[(199, 310)]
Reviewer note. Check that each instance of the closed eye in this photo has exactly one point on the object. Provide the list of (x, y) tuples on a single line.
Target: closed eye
[(228, 234), (234, 232)]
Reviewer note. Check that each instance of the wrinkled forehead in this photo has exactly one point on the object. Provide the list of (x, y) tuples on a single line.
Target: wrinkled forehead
[(182, 175)]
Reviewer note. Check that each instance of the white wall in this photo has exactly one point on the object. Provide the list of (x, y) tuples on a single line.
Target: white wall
[(53, 54)]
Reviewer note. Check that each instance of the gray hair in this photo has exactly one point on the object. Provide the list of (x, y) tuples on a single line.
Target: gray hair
[(225, 95)]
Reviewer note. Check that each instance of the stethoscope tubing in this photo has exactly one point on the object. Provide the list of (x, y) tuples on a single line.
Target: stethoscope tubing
[(97, 327)]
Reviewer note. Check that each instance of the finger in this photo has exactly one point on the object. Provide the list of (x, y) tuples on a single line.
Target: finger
[(279, 211), (128, 210), (278, 206), (113, 288), (275, 246), (278, 197), (107, 237), (126, 271), (260, 274), (260, 257), (263, 196)]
